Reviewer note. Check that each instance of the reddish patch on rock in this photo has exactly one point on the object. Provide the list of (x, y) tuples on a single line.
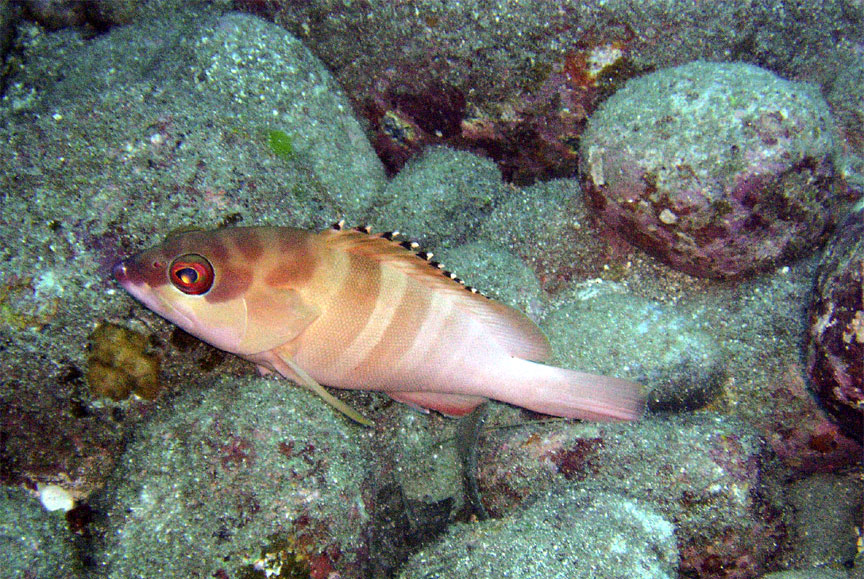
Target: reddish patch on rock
[(236, 453), (320, 567), (728, 556), (530, 136), (574, 462), (405, 122), (757, 226), (800, 432)]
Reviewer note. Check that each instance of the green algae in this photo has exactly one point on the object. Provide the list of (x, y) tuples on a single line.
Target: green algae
[(281, 144)]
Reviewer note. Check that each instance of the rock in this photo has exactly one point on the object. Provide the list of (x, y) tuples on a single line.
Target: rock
[(835, 359), (285, 87), (719, 170), (441, 198), (34, 541), (569, 532), (663, 349), (826, 506), (703, 471), (548, 226), (220, 478)]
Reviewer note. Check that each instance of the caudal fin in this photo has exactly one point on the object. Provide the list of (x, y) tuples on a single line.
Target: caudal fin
[(571, 394)]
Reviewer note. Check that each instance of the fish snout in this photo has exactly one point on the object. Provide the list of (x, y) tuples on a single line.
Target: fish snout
[(121, 273)]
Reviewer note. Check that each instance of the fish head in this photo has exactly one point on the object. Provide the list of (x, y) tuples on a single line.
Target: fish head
[(239, 289)]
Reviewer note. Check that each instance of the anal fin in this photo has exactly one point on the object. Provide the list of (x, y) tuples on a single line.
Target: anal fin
[(447, 404)]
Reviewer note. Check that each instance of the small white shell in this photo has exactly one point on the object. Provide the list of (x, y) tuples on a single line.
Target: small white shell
[(55, 498)]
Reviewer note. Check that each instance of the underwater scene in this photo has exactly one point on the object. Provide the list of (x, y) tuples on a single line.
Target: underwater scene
[(348, 289)]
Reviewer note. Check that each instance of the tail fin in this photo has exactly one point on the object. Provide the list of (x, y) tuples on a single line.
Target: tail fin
[(568, 393)]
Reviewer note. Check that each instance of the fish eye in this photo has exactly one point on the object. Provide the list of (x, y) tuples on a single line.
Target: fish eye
[(192, 274)]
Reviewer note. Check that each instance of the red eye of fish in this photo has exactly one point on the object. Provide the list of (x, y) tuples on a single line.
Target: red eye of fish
[(191, 274)]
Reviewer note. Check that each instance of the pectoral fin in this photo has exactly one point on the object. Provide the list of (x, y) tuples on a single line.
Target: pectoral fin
[(297, 373)]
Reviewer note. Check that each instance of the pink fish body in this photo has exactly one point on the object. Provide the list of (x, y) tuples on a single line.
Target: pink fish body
[(348, 309)]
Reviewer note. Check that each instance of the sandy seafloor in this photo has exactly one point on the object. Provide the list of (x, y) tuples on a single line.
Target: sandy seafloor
[(169, 115)]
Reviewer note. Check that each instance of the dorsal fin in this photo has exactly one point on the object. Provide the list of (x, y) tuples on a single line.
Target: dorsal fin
[(509, 327)]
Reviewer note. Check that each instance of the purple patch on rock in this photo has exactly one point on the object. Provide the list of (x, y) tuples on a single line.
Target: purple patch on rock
[(836, 351)]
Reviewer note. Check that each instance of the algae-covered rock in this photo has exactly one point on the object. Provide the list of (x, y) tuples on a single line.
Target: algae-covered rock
[(719, 170), (220, 478), (441, 198), (566, 533), (704, 471)]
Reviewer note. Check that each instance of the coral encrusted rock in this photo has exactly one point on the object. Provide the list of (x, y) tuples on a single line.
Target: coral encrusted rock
[(836, 352), (718, 170)]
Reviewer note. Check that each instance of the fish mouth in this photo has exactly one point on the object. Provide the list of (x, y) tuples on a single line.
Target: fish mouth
[(151, 299), (121, 273)]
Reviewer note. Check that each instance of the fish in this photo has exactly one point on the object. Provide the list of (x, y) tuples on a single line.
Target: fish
[(351, 309)]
